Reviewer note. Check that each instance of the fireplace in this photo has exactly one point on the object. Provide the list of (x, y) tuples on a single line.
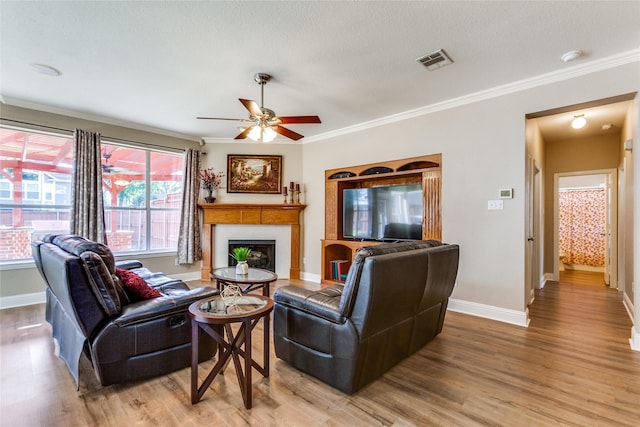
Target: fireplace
[(263, 253)]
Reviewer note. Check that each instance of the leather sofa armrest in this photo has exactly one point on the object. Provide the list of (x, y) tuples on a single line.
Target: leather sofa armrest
[(160, 281), (154, 308), (323, 303), (128, 264)]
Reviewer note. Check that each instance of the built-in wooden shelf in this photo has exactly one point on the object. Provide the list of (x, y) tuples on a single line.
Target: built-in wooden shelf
[(246, 213), (339, 249), (426, 170)]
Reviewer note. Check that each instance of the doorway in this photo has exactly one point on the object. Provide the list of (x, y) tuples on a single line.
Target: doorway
[(594, 148), (585, 220)]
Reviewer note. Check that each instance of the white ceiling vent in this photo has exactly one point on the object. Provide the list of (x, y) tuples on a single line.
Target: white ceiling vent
[(435, 60)]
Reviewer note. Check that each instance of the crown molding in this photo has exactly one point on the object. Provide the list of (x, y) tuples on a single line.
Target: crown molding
[(609, 62)]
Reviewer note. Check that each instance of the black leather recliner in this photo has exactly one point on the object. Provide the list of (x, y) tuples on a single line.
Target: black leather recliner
[(87, 312), (393, 302)]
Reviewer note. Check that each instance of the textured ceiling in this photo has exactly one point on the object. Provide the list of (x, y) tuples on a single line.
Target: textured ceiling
[(161, 64)]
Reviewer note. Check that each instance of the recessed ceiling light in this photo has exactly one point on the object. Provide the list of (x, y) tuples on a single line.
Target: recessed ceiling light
[(45, 69), (571, 55), (578, 122)]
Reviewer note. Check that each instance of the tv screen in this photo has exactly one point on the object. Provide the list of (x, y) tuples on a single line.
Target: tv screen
[(383, 213)]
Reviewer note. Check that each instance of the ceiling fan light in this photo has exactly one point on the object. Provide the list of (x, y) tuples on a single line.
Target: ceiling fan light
[(578, 122), (254, 133), (268, 134)]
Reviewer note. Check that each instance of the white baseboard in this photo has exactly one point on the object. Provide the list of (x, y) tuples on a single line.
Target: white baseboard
[(520, 318), (186, 277), (22, 300), (634, 341), (579, 267), (548, 277), (628, 305), (316, 278)]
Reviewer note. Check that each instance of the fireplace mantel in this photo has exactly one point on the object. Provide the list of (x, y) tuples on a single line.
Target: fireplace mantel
[(245, 213)]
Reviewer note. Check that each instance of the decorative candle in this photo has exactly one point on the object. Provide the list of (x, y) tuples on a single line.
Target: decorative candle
[(284, 190), (298, 188), (291, 185)]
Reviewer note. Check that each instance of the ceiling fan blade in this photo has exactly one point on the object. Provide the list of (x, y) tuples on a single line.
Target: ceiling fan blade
[(287, 132), (244, 133), (222, 118), (299, 119), (252, 106)]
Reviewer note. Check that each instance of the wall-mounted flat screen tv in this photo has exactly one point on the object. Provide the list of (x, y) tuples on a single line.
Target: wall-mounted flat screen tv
[(386, 213)]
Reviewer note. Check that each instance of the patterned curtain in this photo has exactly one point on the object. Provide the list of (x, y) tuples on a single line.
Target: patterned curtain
[(582, 224), (189, 247), (87, 210)]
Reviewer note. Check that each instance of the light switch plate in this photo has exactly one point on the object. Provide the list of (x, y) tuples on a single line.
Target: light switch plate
[(494, 205)]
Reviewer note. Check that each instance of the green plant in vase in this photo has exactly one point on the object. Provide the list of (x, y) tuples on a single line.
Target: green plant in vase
[(241, 255)]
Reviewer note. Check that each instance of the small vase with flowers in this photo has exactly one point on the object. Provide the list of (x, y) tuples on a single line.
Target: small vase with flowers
[(211, 182)]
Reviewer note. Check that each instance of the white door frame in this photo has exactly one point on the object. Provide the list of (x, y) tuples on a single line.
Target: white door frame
[(612, 227), (533, 236)]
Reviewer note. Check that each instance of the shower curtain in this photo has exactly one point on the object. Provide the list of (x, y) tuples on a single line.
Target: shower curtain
[(582, 224)]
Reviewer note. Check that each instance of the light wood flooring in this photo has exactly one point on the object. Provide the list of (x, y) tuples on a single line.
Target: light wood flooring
[(572, 366), (582, 278)]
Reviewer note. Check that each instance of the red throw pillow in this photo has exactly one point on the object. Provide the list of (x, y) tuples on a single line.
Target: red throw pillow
[(135, 286)]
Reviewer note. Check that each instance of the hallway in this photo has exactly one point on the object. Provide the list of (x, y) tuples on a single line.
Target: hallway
[(582, 278)]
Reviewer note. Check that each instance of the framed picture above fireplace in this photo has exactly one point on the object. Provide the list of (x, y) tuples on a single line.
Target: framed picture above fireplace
[(252, 173)]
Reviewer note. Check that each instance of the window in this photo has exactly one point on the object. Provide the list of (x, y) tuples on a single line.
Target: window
[(30, 190), (143, 196), (5, 188), (142, 191), (32, 165)]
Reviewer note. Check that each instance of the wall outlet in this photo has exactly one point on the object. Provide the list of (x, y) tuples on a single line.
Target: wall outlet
[(494, 205)]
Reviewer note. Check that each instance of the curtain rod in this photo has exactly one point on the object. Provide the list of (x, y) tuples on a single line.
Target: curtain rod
[(105, 136)]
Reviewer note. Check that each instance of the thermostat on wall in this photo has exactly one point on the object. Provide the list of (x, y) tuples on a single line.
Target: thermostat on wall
[(506, 193)]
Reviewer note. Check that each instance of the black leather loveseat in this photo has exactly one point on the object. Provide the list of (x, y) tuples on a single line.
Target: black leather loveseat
[(91, 312), (393, 302)]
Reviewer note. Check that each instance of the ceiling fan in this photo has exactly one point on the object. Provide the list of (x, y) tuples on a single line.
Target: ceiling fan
[(108, 168), (264, 124)]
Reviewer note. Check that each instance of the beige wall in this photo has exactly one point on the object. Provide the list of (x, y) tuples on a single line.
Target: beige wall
[(573, 155), (291, 153), (483, 150), (26, 280)]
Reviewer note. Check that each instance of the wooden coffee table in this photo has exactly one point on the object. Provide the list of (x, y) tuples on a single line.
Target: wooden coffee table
[(256, 279), (213, 317)]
